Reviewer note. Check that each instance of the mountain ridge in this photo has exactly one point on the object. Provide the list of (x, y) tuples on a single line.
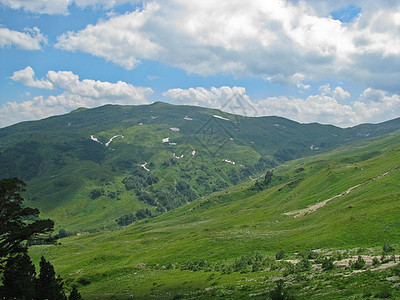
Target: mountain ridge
[(85, 180)]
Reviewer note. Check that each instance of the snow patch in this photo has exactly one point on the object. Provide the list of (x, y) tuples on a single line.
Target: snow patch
[(166, 140), (232, 162), (193, 152), (187, 118), (154, 117), (95, 139), (176, 129), (115, 136), (312, 147), (177, 157), (144, 166), (173, 144), (140, 124), (222, 118)]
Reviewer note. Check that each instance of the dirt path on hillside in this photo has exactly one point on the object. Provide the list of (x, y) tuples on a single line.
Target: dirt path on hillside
[(315, 207)]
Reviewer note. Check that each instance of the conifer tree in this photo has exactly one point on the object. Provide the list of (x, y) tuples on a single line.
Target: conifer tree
[(75, 295), (18, 278), (15, 231), (48, 286)]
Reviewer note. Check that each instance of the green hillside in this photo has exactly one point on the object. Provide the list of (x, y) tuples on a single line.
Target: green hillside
[(102, 168), (225, 244)]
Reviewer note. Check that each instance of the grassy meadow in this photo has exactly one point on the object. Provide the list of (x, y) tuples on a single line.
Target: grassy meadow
[(225, 244)]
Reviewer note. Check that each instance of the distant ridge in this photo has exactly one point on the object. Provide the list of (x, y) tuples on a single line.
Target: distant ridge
[(188, 151)]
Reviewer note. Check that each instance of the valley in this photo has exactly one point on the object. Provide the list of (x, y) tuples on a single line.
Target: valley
[(309, 204), (85, 175)]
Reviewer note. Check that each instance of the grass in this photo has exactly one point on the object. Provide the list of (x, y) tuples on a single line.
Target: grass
[(241, 221)]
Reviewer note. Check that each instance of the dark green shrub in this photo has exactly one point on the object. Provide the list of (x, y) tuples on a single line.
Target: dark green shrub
[(384, 258), (375, 261), (126, 219), (385, 292), (111, 195), (196, 265), (96, 193), (75, 295), (303, 265), (84, 281), (327, 263), (396, 270), (310, 254), (387, 248), (143, 213), (289, 269), (358, 264), (63, 233), (280, 255), (147, 198), (279, 293)]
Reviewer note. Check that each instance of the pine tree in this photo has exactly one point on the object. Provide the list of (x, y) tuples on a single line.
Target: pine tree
[(15, 231), (48, 286), (18, 278), (75, 295)]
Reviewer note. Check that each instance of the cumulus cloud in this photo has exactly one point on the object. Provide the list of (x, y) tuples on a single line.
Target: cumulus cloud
[(38, 108), (52, 7), (213, 98), (118, 39), (337, 93), (323, 108), (230, 99), (316, 108), (287, 42), (32, 39), (28, 78), (377, 105), (74, 93)]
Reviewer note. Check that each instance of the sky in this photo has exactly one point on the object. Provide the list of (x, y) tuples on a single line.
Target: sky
[(331, 62)]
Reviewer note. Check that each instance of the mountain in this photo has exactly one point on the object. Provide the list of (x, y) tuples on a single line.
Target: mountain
[(342, 204), (102, 168)]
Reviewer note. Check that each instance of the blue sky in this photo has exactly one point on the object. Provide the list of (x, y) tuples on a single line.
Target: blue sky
[(309, 61)]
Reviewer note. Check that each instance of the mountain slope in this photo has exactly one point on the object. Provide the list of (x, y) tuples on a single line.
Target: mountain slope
[(83, 169), (362, 182)]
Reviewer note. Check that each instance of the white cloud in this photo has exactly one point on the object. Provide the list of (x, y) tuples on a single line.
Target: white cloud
[(59, 6), (214, 97), (338, 93), (316, 108), (323, 108), (229, 99), (119, 35), (38, 108), (40, 6), (75, 93), (296, 79), (377, 105), (288, 42), (32, 39), (27, 77)]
